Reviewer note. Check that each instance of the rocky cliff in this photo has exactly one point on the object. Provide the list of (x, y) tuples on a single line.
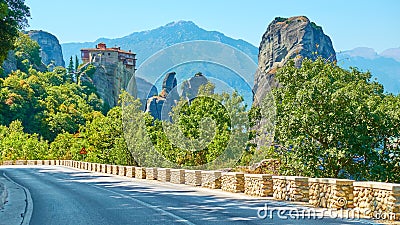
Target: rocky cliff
[(190, 88), (51, 48), (109, 79), (145, 90), (285, 39), (160, 105)]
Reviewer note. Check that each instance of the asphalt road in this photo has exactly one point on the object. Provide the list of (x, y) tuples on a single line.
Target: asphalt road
[(68, 196)]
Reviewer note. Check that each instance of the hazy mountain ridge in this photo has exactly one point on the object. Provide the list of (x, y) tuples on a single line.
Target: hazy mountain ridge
[(146, 43), (385, 67)]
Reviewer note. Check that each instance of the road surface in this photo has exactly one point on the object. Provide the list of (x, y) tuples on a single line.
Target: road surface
[(63, 195)]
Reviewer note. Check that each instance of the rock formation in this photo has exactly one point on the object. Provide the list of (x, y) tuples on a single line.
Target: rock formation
[(169, 82), (285, 39), (160, 105), (110, 79), (145, 90), (190, 88), (167, 97), (51, 48)]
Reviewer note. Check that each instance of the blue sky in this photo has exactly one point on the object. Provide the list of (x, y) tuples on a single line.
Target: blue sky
[(349, 23)]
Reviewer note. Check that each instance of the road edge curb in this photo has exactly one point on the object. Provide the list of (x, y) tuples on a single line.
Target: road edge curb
[(28, 201)]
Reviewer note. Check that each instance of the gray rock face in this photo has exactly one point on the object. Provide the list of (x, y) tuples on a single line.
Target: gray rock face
[(51, 48), (160, 105), (145, 90), (190, 88), (292, 38), (169, 82), (110, 79)]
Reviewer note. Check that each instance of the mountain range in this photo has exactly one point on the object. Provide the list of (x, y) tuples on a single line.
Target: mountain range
[(385, 67)]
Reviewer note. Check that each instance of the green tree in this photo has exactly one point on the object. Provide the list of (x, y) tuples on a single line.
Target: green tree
[(13, 17), (70, 67), (76, 63), (332, 122), (27, 53), (206, 132), (15, 144)]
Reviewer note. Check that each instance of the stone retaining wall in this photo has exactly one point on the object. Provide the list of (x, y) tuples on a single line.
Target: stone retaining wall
[(372, 199), (31, 162), (140, 172), (130, 171), (258, 185), (211, 179), (121, 170), (114, 169), (177, 176), (164, 174), (20, 162), (151, 173), (8, 162), (103, 168), (290, 188), (109, 169), (377, 200), (232, 182), (193, 177), (331, 193)]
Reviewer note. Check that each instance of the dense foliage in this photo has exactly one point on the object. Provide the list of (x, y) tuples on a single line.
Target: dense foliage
[(13, 17), (209, 129), (333, 122)]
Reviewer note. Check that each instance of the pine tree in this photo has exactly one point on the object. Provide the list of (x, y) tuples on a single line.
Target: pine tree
[(76, 63), (71, 66)]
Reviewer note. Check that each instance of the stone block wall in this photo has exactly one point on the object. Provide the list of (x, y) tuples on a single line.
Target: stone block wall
[(130, 171), (290, 188), (331, 193), (193, 177), (232, 182), (151, 173), (8, 162), (258, 185), (164, 174), (121, 170), (371, 199), (377, 200), (140, 172), (109, 169), (177, 176), (103, 168), (114, 169), (31, 162), (20, 162), (211, 179)]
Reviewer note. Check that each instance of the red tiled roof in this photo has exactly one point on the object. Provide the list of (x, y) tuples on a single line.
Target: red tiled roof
[(114, 49)]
